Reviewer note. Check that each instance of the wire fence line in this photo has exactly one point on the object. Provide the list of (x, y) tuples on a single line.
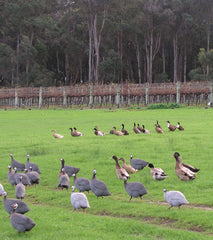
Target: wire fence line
[(191, 93)]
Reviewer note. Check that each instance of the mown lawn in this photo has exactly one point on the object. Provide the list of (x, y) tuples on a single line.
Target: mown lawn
[(29, 132)]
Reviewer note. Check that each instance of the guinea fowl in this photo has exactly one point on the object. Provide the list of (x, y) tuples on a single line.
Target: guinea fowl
[(69, 169), (33, 176), (20, 189), (121, 172), (16, 164), (174, 198), (34, 166), (157, 173), (137, 163), (25, 178), (144, 130), (123, 130), (134, 189), (56, 135), (20, 222), (127, 167), (181, 128), (136, 130), (98, 132), (11, 176), (64, 181), (184, 171), (171, 127), (79, 200), (98, 187), (158, 129), (82, 184), (22, 206), (117, 133)]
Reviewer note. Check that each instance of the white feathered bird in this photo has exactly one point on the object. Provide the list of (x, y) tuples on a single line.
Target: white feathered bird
[(174, 198), (79, 200)]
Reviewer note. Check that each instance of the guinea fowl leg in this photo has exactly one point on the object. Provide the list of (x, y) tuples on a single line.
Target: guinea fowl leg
[(170, 207), (130, 198)]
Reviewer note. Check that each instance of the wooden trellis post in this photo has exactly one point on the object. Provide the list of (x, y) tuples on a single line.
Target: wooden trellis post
[(118, 96), (64, 97), (178, 92), (91, 97), (16, 98), (40, 98), (211, 93), (147, 93)]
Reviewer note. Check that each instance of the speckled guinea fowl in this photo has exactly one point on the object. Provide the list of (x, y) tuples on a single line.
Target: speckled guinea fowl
[(64, 181), (11, 176), (69, 169), (33, 176), (174, 198), (121, 172), (179, 127), (20, 222), (82, 184), (34, 166), (137, 163), (134, 189), (22, 206), (98, 187), (25, 178), (123, 130), (136, 130), (157, 173), (127, 167), (20, 189), (171, 127), (79, 200), (16, 164), (184, 171)]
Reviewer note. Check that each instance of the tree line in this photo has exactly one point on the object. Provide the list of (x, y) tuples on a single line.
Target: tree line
[(64, 42)]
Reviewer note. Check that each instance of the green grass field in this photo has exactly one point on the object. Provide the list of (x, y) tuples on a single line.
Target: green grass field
[(30, 132)]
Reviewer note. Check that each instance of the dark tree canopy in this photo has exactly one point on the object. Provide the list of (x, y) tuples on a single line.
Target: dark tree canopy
[(62, 42)]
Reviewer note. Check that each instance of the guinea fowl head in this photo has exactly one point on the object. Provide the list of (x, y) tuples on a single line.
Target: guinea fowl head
[(125, 179), (73, 188), (28, 155), (94, 171), (164, 190), (11, 155), (15, 169), (14, 205)]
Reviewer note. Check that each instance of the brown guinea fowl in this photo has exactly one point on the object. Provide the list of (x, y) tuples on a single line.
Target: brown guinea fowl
[(127, 167), (117, 133), (20, 222), (136, 130), (123, 130), (181, 128), (171, 127), (184, 171), (121, 172)]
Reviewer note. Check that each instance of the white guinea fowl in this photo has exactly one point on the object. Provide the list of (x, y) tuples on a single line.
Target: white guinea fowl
[(79, 200), (174, 198)]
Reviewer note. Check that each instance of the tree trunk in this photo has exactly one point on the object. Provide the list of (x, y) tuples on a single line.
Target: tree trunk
[(175, 51), (17, 62), (185, 63), (138, 61), (67, 76)]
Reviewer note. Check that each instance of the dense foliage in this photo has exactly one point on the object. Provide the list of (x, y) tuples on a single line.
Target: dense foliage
[(59, 42)]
